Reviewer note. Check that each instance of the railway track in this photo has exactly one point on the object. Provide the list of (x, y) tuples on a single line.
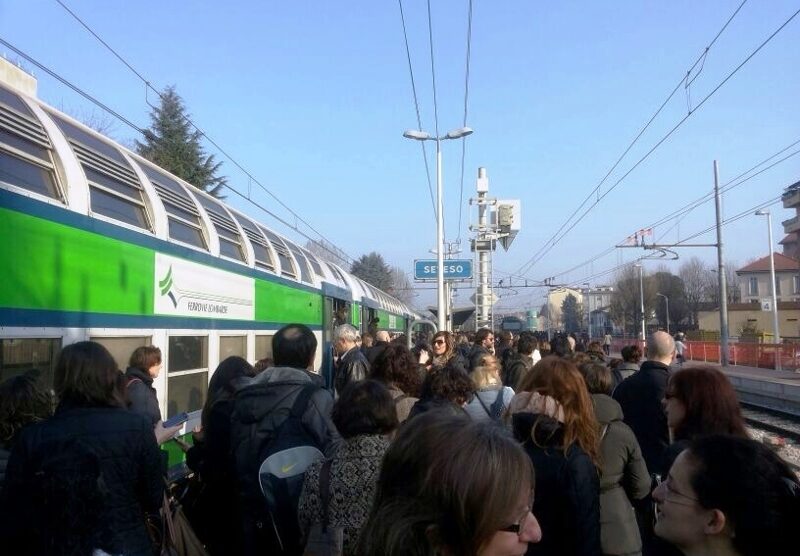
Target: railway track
[(773, 422)]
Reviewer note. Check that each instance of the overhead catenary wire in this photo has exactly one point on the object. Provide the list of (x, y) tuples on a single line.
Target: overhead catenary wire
[(683, 80), (731, 184), (561, 233), (416, 106), (133, 126), (464, 124), (225, 153)]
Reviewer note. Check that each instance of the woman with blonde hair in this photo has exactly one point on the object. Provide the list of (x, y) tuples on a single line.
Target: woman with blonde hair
[(491, 397), (553, 418)]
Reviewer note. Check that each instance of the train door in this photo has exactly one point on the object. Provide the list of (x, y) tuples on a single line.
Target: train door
[(334, 312)]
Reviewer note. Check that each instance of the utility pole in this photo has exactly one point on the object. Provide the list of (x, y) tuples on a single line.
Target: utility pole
[(497, 221), (483, 247), (723, 287)]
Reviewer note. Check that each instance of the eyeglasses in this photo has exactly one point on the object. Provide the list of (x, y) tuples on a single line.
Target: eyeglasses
[(519, 526), (672, 493), (438, 342)]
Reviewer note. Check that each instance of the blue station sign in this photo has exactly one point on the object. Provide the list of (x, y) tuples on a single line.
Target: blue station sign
[(454, 269)]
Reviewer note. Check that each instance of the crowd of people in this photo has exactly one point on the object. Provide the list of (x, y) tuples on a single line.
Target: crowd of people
[(466, 445)]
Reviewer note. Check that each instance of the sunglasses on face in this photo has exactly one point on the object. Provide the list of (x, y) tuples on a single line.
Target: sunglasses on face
[(439, 342)]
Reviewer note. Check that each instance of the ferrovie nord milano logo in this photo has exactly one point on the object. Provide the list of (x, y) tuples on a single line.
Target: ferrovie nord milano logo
[(166, 286), (190, 289)]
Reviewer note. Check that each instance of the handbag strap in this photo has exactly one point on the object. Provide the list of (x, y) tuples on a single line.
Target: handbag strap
[(497, 405), (325, 491), (486, 409)]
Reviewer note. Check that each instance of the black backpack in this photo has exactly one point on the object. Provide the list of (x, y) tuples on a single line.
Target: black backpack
[(271, 464)]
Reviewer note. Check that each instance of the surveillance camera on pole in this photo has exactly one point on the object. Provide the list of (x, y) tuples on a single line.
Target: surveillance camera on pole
[(497, 220)]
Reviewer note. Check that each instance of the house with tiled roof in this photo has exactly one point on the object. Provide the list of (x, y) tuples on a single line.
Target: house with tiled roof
[(754, 279)]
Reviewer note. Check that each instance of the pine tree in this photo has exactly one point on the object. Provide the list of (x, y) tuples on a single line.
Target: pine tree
[(373, 270), (172, 143)]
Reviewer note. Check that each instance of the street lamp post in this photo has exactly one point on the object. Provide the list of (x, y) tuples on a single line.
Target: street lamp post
[(641, 297), (588, 309), (775, 330), (666, 300), (419, 135)]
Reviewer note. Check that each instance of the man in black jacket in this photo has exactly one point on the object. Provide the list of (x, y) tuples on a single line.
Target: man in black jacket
[(640, 396), (352, 365), (484, 345), (378, 346), (261, 407), (519, 363)]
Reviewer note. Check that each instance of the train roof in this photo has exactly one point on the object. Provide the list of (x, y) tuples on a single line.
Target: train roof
[(49, 156)]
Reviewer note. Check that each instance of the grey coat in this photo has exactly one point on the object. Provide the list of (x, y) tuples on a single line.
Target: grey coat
[(623, 478)]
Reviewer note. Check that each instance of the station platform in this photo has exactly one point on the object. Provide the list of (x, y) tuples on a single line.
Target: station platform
[(769, 388)]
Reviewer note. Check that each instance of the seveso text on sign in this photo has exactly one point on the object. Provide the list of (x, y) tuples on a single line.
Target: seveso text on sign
[(454, 269)]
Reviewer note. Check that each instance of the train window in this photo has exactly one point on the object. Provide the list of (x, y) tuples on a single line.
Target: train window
[(337, 273), (121, 348), (81, 137), (10, 99), (186, 393), (115, 190), (20, 172), (117, 208), (263, 346), (314, 263), (230, 243), (259, 243), (232, 345), (25, 152), (187, 373), (186, 233), (20, 355), (182, 214), (287, 266), (305, 275)]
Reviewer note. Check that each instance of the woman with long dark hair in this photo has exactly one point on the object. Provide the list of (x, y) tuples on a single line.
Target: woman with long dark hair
[(86, 478), (700, 401), (210, 458), (396, 368), (553, 418), (23, 400), (729, 496)]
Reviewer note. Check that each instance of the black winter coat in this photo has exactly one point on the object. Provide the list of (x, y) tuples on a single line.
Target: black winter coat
[(516, 367), (352, 367), (124, 446), (211, 459), (567, 490), (3, 464), (142, 397), (640, 397)]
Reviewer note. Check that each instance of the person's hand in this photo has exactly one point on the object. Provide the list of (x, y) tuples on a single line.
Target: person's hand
[(424, 357), (182, 443), (163, 434)]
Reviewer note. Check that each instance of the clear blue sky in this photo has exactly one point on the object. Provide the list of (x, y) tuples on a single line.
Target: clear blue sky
[(313, 96)]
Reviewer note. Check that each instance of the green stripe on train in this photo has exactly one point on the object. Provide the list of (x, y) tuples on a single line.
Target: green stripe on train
[(51, 266), (389, 321), (355, 315)]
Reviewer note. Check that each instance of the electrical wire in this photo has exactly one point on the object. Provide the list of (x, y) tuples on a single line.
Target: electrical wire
[(227, 155), (464, 124), (726, 187), (416, 107), (556, 238)]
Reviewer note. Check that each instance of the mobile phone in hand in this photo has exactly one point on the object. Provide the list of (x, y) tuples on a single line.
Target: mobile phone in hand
[(175, 420)]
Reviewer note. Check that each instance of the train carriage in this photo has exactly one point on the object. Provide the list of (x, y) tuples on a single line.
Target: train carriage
[(98, 243)]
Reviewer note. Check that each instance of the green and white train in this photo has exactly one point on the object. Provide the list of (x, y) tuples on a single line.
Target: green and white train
[(98, 243)]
